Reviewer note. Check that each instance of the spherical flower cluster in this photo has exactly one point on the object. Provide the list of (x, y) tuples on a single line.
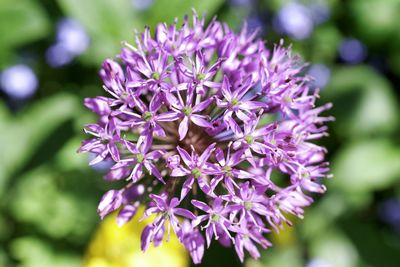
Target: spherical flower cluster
[(212, 133)]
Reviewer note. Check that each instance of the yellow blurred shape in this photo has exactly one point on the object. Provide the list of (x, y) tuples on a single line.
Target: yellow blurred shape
[(114, 246), (286, 235)]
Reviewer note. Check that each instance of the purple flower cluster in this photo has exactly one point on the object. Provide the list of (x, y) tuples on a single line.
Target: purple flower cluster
[(212, 132)]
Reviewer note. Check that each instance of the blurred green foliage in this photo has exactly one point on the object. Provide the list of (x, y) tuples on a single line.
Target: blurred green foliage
[(48, 194)]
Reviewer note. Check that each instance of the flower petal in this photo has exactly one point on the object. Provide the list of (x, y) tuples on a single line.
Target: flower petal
[(183, 128)]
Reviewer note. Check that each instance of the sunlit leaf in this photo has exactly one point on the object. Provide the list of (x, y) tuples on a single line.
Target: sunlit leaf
[(107, 22), (25, 132), (375, 20), (324, 43), (178, 9), (334, 249), (314, 224), (277, 257), (69, 159), (364, 103), (44, 200), (365, 166), (111, 22), (21, 22), (374, 247), (32, 252)]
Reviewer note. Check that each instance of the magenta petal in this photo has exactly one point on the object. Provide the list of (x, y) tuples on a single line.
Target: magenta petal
[(149, 211), (215, 181), (126, 214), (136, 172), (185, 156), (98, 104), (110, 201), (209, 235), (251, 248), (174, 202), (212, 84), (154, 155), (250, 105), (204, 186), (200, 121), (242, 116), (202, 105), (201, 205), (146, 236), (158, 130), (225, 89), (173, 100), (242, 174), (160, 201), (183, 128), (239, 247), (89, 145), (168, 116), (154, 171), (131, 147), (184, 213), (112, 148), (100, 157), (234, 126), (199, 219), (173, 161), (197, 248), (219, 155), (187, 186), (155, 102), (179, 171), (206, 154)]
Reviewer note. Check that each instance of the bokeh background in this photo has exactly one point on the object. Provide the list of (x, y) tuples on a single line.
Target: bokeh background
[(50, 53)]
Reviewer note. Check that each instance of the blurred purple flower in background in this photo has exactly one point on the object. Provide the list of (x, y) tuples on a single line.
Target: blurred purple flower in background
[(295, 20), (241, 2), (352, 51), (142, 5), (318, 263), (255, 22), (321, 74), (320, 11), (18, 82), (389, 212), (72, 40), (298, 20), (188, 117)]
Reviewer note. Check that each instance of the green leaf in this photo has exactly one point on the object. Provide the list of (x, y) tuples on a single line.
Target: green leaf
[(366, 166), (21, 22), (364, 103), (334, 249), (111, 22), (376, 245), (107, 22), (4, 260), (375, 21), (324, 43), (21, 135), (282, 256), (331, 206), (32, 252), (68, 159), (54, 204), (168, 10)]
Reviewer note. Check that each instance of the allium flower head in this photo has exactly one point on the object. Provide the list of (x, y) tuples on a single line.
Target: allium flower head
[(212, 131)]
